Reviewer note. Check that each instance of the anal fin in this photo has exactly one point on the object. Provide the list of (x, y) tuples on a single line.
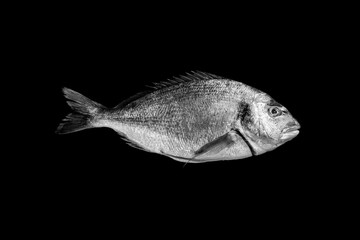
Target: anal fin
[(132, 143)]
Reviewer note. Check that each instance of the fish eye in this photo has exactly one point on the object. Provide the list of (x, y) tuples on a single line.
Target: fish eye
[(274, 111)]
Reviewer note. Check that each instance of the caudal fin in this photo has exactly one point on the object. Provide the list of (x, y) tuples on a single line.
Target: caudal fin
[(85, 109)]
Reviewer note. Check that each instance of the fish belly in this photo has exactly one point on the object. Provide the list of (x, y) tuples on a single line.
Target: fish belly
[(149, 140)]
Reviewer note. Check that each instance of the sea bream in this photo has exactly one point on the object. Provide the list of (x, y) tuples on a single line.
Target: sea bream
[(198, 117)]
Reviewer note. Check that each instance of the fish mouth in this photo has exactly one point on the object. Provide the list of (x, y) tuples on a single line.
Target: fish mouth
[(290, 132)]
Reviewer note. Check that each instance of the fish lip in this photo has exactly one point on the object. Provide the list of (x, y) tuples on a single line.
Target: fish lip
[(291, 129), (290, 132)]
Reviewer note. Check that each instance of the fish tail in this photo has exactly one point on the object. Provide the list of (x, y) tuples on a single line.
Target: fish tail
[(85, 111)]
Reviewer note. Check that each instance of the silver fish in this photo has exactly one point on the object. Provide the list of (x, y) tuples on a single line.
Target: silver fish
[(198, 117)]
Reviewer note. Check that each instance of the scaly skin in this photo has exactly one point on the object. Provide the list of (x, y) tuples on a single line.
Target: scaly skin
[(179, 119)]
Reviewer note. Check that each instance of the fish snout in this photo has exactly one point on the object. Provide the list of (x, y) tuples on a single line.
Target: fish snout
[(291, 130), (293, 125)]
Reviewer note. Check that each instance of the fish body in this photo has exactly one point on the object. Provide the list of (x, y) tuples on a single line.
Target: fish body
[(198, 117)]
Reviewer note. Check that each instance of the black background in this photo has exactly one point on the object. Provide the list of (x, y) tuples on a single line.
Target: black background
[(109, 55)]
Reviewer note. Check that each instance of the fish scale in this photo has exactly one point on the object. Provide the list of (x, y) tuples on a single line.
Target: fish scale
[(186, 115)]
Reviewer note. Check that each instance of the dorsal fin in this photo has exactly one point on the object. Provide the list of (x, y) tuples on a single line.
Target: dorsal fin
[(196, 75), (131, 99), (188, 77)]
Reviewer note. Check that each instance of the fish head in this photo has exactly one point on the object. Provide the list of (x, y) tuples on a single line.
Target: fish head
[(274, 123)]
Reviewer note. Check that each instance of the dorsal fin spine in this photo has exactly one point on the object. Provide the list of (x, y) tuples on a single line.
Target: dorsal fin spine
[(188, 77)]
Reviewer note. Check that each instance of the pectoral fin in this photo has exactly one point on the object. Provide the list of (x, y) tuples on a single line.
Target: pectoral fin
[(217, 145)]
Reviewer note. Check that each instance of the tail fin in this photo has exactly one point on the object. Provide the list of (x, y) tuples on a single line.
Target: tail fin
[(85, 109)]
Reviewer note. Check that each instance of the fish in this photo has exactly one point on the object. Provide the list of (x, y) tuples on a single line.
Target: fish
[(194, 118)]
